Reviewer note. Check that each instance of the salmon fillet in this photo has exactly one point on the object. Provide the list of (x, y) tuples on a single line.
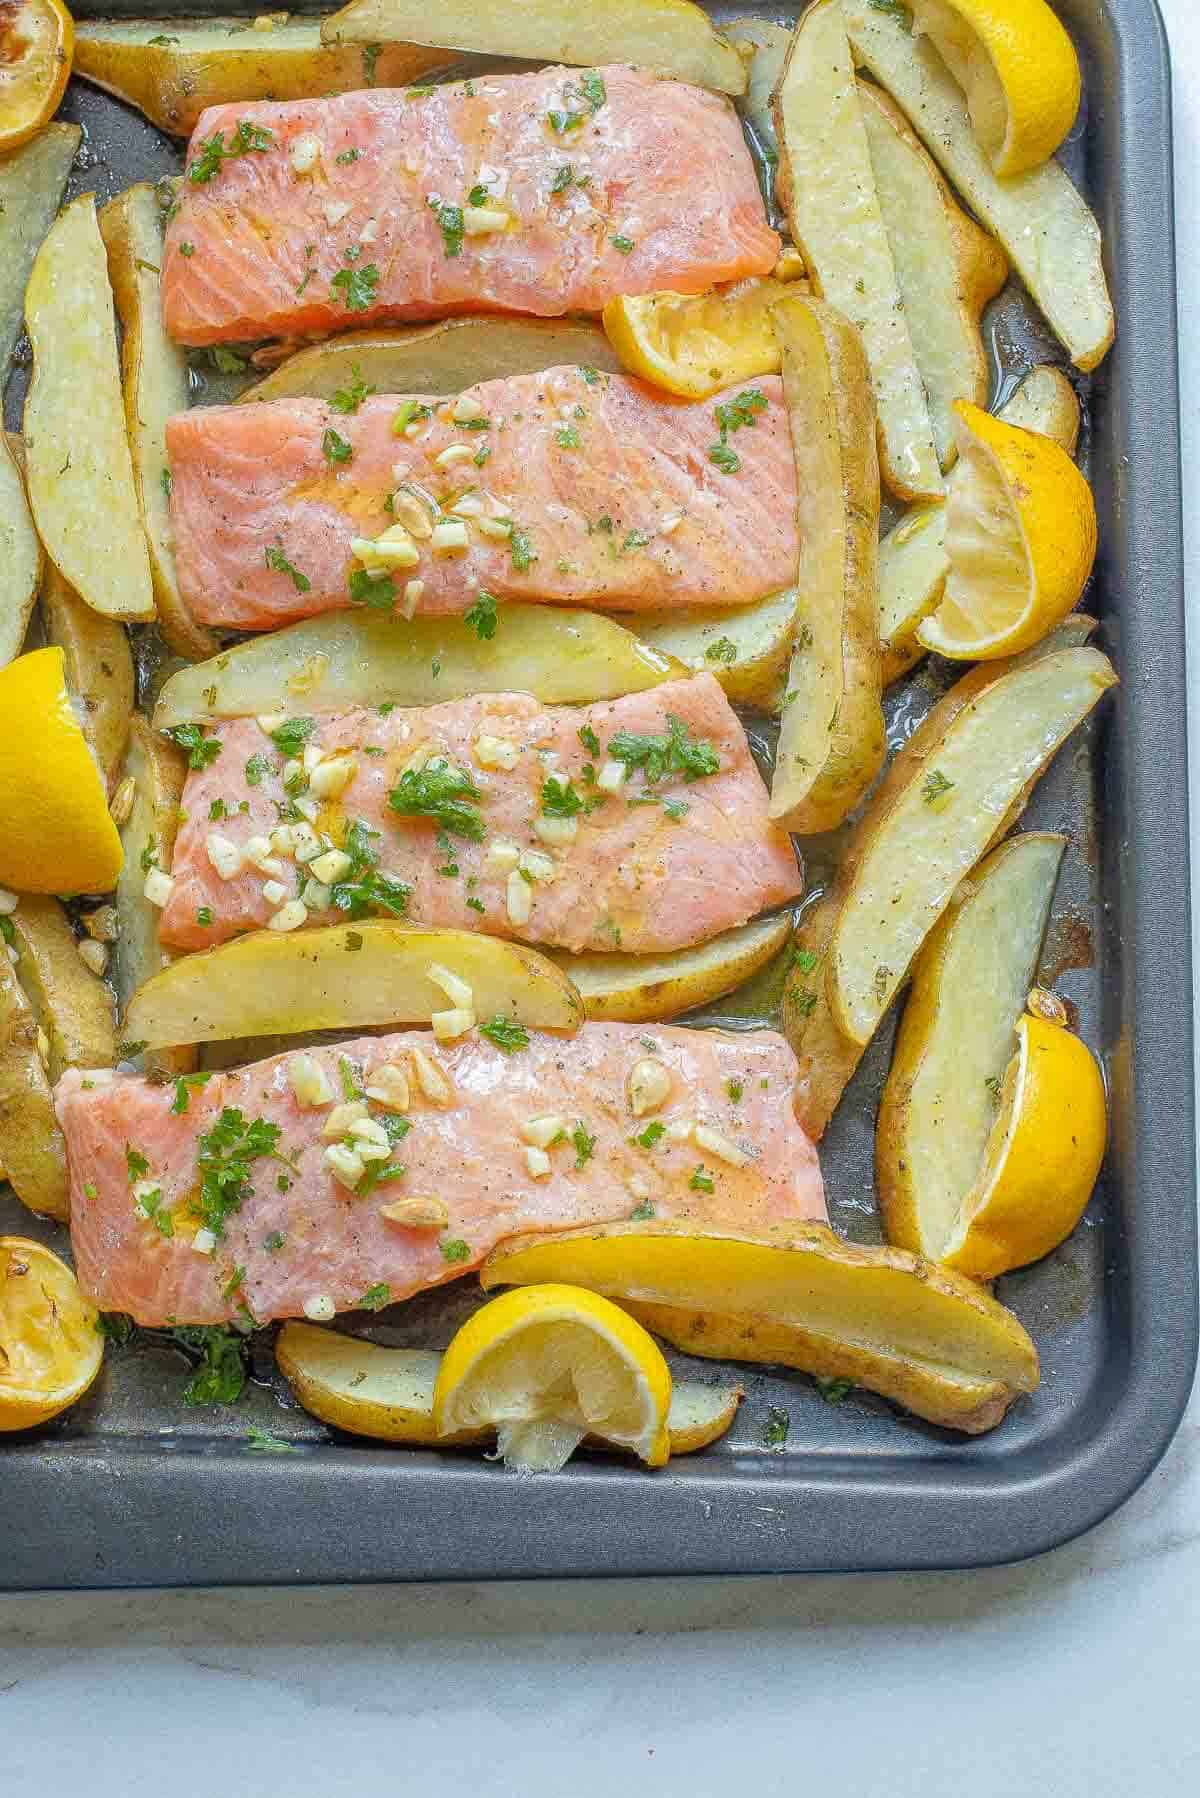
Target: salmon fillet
[(652, 866), (333, 213), (613, 499), (295, 1234)]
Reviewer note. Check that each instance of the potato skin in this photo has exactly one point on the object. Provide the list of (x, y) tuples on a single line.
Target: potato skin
[(70, 1003), (31, 1144), (99, 668)]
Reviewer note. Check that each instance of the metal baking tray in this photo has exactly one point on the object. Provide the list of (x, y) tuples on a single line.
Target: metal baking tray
[(129, 1488)]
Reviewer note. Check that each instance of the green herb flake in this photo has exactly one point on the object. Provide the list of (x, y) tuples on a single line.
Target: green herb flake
[(735, 1089), (701, 1180), (257, 768), (833, 1389), (723, 650), (347, 156), (356, 285), (652, 1134), (441, 792), (291, 736), (450, 221), (349, 399), (805, 960), (278, 563), (658, 757), (375, 1297), (363, 890), (214, 152), (642, 1212), (935, 786), (521, 549), (727, 460), (225, 1156), (274, 1242), (589, 739), (262, 1442), (202, 751), (675, 809), (583, 1143), (620, 242), (376, 591), (560, 798), (505, 1034), (778, 1425), (336, 449), (184, 1085), (481, 616), (221, 1374), (370, 56), (454, 1249)]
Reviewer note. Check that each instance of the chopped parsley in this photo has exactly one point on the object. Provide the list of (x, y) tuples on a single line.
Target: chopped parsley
[(727, 460), (567, 437), (591, 375), (675, 809), (895, 9), (224, 1159), (642, 1212), (149, 855), (183, 1088), (833, 1389), (482, 454), (482, 616), (348, 1078), (221, 1374), (735, 1089), (127, 1051), (279, 564), (506, 1034), (731, 417), (594, 90), (674, 753), (115, 1326), (560, 798), (375, 1297), (214, 152), (723, 650), (805, 960), (165, 481), (589, 739), (256, 768), (521, 549), (187, 250), (136, 1165), (274, 1242), (346, 156), (805, 1002), (450, 221), (349, 399), (622, 243), (564, 178), (378, 591), (701, 1180), (584, 1144), (443, 793), (409, 413), (356, 285), (262, 1442), (202, 751), (454, 1249), (778, 1425), (363, 889), (335, 448), (935, 786), (290, 737), (652, 1134), (370, 55)]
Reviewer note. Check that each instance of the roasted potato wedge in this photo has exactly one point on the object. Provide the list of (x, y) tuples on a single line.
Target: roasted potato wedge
[(342, 659), (672, 36), (831, 741), (906, 865), (440, 358), (827, 189), (771, 43), (99, 668), (20, 557), (173, 68), (32, 180), (1041, 220), (79, 473), (912, 557), (640, 989), (827, 1055), (387, 1393), (923, 1337), (947, 268), (152, 787), (956, 1038), (31, 1143), (745, 647), (155, 385), (343, 976), (71, 1005)]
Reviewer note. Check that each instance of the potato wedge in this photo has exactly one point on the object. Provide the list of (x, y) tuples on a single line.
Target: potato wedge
[(155, 385), (745, 647), (771, 43), (947, 268), (80, 476), (99, 668), (32, 180), (71, 1005), (672, 36), (31, 1143), (826, 1055), (831, 741), (341, 659), (912, 557), (923, 1337), (1040, 218), (905, 868), (956, 1038), (343, 976), (20, 557), (641, 989), (440, 358), (173, 68), (827, 189), (155, 772), (387, 1393)]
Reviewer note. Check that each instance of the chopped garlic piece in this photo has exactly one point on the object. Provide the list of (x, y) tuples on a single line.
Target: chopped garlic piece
[(282, 840), (330, 779), (158, 887), (331, 867), (308, 808), (539, 867), (501, 857), (481, 221), (257, 851), (290, 916), (542, 1131), (680, 1129), (639, 1186), (648, 1087), (270, 721), (465, 408), (312, 755), (448, 1026), (316, 896), (394, 548), (335, 211), (467, 505), (408, 511), (320, 1308), (716, 1144), (612, 777), (670, 524), (450, 538), (560, 833), (496, 752), (518, 899), (369, 1130), (389, 1086), (342, 1116), (454, 452), (538, 1163), (456, 990), (204, 1242), (494, 527), (417, 1213), (305, 153), (432, 1079), (309, 1082), (274, 892), (306, 844)]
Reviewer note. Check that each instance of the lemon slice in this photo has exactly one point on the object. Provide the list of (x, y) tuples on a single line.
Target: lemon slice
[(50, 1348), (693, 345), (56, 835), (546, 1366), (1043, 1155), (1018, 69), (1020, 539), (37, 38)]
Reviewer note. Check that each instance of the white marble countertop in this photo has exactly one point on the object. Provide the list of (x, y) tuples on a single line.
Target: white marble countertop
[(1075, 1674)]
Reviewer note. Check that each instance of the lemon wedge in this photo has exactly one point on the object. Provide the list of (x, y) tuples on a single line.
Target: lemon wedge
[(546, 1366), (693, 345), (50, 1349), (1043, 1154), (1020, 540), (37, 38), (1018, 69), (56, 835)]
